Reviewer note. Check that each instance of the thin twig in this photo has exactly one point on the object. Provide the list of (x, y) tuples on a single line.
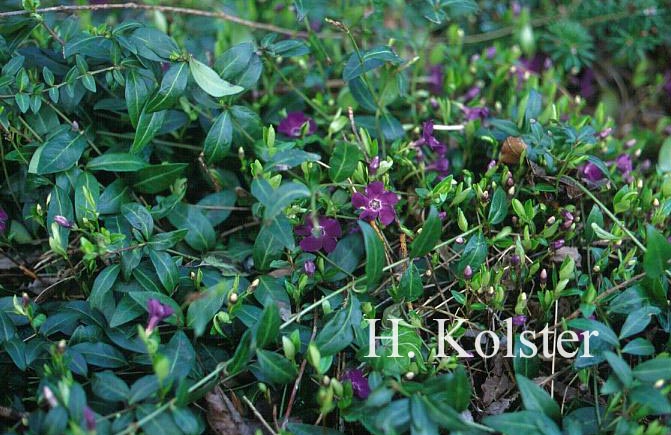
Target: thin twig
[(258, 415), (173, 9)]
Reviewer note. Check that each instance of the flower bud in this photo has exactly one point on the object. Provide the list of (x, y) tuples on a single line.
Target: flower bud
[(233, 298), (459, 240), (551, 220), (468, 272), (544, 276), (289, 348), (309, 267), (558, 244)]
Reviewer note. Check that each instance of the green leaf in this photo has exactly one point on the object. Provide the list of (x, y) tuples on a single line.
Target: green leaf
[(181, 355), (337, 333), (374, 254), (444, 415), (200, 234), (498, 209), (267, 328), (101, 296), (116, 162), (157, 178), (126, 311), (271, 241), (210, 82), (109, 387), (276, 200), (474, 253), (429, 236), (242, 354), (605, 333), (165, 269), (217, 206), (139, 218), (58, 153), (422, 424), (344, 161), (143, 388), (620, 368), (664, 159), (101, 355), (537, 399), (206, 306), (7, 328), (360, 63), (219, 138), (275, 367), (637, 321), (654, 370), (652, 398), (83, 207), (308, 429), (136, 94), (410, 287), (147, 126), (16, 349), (163, 241), (172, 87), (523, 422), (640, 347), (657, 255)]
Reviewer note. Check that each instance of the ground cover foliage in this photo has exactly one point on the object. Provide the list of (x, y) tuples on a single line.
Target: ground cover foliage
[(203, 204)]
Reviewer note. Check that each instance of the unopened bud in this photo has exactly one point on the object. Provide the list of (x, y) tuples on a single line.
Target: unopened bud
[(233, 297), (544, 276), (655, 202), (551, 220), (468, 272), (410, 376), (459, 240)]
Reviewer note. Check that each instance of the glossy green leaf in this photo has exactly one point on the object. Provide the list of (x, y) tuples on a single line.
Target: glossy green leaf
[(343, 162), (430, 235), (374, 254), (210, 82)]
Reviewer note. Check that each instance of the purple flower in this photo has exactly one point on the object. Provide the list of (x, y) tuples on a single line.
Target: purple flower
[(591, 172), (324, 233), (440, 165), (468, 272), (624, 163), (586, 82), (436, 79), (157, 313), (3, 220), (374, 165), (558, 244), (359, 382), (605, 133), (491, 165), (515, 259), (519, 320), (472, 93), (309, 267), (667, 83), (473, 113), (430, 140), (62, 221), (490, 52), (442, 215), (90, 419), (292, 125), (376, 202)]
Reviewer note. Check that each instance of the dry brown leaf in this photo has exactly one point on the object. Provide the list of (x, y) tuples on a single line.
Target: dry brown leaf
[(511, 150), (222, 416)]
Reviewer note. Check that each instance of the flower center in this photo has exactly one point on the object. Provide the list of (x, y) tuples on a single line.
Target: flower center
[(375, 205), (318, 231)]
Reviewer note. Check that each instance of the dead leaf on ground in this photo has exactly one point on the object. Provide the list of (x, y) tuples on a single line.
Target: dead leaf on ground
[(567, 251), (222, 416)]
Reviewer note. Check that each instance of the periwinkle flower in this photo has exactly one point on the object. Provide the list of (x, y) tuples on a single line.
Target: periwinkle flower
[(490, 52), (376, 202), (624, 163), (468, 272), (309, 268), (442, 215), (374, 165), (591, 172), (320, 233), (558, 244), (3, 220), (157, 313), (515, 260), (429, 139), (472, 93), (62, 221), (667, 83), (359, 383), (292, 125), (441, 165), (519, 320), (473, 113), (605, 132), (436, 79), (89, 419)]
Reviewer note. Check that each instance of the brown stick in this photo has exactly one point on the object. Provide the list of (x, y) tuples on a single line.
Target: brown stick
[(174, 9)]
